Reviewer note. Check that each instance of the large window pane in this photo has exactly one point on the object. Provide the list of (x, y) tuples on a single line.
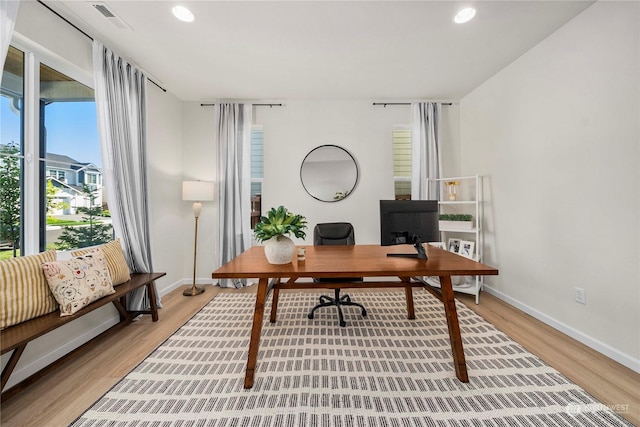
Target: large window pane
[(11, 117), (257, 173), (402, 163), (75, 206), (257, 161)]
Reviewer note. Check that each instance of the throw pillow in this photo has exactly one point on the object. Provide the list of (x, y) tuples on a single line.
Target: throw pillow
[(77, 282), (118, 267), (24, 293)]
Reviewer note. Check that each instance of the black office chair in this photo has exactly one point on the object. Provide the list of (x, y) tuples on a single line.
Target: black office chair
[(335, 233)]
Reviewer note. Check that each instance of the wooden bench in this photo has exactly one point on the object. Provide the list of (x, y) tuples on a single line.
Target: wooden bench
[(17, 337)]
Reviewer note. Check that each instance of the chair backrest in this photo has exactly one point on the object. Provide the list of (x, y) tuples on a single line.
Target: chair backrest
[(334, 233)]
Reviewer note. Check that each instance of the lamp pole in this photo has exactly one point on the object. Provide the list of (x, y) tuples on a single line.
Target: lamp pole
[(197, 191)]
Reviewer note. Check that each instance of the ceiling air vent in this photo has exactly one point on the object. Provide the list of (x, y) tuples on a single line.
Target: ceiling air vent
[(111, 16)]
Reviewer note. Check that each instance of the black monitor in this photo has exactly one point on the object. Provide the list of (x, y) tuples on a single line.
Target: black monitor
[(402, 221)]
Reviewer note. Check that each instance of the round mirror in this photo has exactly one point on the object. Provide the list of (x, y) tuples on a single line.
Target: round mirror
[(329, 173)]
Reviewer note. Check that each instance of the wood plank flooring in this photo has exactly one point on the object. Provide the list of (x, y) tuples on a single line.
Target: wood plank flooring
[(62, 395)]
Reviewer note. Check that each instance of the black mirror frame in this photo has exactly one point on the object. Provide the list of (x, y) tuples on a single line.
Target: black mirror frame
[(355, 164)]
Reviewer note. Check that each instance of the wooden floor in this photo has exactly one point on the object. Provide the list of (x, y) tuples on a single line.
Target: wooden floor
[(61, 396)]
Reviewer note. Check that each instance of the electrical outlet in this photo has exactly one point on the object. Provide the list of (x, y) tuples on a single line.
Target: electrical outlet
[(581, 295)]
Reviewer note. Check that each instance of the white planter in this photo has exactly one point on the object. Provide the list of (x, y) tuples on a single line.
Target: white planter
[(456, 225), (279, 250)]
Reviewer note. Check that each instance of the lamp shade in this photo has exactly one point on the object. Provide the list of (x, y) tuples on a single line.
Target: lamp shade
[(199, 191)]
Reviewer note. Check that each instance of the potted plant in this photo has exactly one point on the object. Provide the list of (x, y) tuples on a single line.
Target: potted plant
[(273, 230), (456, 222)]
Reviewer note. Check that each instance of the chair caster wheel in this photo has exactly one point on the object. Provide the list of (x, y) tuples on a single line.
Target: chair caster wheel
[(310, 316)]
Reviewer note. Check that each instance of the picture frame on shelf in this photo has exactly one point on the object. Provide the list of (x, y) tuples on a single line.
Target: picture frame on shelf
[(466, 248), (453, 245)]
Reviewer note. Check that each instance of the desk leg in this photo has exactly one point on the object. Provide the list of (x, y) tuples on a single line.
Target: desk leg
[(274, 304), (255, 333), (408, 291), (454, 328)]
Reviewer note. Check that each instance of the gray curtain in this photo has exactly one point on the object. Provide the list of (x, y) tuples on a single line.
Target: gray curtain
[(120, 105), (8, 15), (233, 149), (425, 150)]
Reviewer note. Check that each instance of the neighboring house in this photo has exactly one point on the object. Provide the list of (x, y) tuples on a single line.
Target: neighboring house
[(68, 176)]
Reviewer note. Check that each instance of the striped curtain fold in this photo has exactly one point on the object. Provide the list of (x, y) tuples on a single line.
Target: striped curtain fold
[(8, 16), (120, 104), (232, 140), (425, 150)]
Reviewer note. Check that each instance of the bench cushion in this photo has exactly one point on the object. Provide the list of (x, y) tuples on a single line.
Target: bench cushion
[(77, 282), (118, 267), (24, 293)]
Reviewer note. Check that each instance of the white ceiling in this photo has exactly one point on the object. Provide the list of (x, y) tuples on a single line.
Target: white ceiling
[(268, 50)]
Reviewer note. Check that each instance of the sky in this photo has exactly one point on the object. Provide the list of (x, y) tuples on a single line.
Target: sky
[(71, 127)]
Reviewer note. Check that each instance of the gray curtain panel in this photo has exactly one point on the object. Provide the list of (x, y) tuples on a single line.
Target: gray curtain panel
[(120, 105), (8, 15), (425, 151), (232, 140)]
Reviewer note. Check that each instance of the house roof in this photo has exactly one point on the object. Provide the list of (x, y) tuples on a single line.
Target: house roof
[(66, 162)]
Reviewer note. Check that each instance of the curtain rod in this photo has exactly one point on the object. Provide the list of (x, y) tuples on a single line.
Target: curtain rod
[(254, 105), (86, 35), (384, 104)]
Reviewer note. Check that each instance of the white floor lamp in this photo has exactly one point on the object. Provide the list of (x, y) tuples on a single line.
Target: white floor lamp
[(196, 191)]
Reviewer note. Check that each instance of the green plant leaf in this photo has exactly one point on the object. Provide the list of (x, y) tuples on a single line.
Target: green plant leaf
[(278, 222)]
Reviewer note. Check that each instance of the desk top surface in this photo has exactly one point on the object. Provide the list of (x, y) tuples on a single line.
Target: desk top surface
[(355, 260)]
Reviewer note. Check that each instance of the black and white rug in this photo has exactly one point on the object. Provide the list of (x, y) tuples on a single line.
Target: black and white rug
[(379, 371)]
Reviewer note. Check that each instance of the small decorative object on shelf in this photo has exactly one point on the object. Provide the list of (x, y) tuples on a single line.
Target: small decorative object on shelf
[(273, 229), (452, 189)]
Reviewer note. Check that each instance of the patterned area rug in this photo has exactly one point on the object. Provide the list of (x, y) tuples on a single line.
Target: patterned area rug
[(380, 370)]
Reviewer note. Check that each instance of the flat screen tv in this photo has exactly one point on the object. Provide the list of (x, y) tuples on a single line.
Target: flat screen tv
[(402, 221)]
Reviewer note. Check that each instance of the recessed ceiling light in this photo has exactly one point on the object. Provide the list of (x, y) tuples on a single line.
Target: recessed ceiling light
[(464, 15), (182, 13)]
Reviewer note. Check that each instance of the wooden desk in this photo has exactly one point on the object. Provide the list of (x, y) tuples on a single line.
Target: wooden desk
[(368, 261)]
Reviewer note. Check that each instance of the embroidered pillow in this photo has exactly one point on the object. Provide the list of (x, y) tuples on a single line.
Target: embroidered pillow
[(24, 293), (118, 267), (77, 282)]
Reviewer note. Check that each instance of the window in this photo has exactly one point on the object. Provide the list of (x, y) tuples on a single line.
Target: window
[(11, 153), (257, 172), (402, 162), (52, 133), (57, 174)]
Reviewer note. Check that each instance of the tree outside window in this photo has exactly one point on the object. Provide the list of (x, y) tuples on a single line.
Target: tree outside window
[(10, 197)]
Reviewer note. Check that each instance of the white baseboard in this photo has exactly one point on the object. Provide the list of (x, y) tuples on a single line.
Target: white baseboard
[(620, 357), (46, 358), (184, 282), (71, 341)]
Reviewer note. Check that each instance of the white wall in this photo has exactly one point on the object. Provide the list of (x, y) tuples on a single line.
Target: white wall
[(290, 132), (171, 218), (199, 163), (557, 134), (364, 130)]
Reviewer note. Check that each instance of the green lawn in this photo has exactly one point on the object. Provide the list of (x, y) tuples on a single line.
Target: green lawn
[(64, 222), (9, 254)]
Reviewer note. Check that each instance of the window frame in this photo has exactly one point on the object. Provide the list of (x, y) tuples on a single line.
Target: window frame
[(32, 150)]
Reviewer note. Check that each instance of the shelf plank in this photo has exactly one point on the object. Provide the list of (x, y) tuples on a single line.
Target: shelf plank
[(457, 202)]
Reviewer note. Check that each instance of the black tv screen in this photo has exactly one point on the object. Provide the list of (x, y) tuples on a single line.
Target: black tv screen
[(402, 220)]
